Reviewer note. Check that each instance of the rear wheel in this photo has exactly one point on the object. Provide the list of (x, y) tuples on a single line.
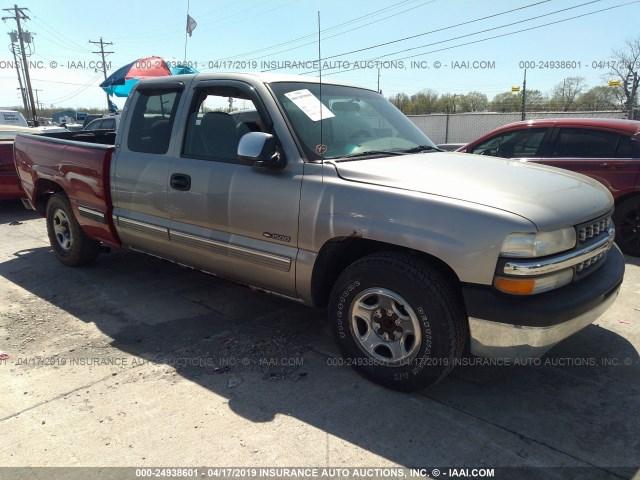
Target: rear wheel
[(627, 222), (70, 244), (397, 321)]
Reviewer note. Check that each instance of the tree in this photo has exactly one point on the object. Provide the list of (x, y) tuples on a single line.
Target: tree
[(474, 102), (423, 102), (565, 93), (401, 101), (601, 98), (626, 67), (536, 101), (506, 102), (448, 103)]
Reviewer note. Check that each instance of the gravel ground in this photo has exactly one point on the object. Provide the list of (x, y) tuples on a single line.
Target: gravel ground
[(134, 361)]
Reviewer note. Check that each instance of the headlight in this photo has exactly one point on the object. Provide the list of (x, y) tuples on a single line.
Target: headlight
[(538, 244)]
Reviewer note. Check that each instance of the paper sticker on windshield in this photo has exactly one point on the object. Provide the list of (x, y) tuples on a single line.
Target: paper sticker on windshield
[(309, 104)]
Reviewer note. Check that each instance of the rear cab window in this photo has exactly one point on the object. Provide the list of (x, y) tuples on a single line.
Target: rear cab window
[(152, 120)]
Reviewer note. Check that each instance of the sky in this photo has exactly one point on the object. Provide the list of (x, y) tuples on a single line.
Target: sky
[(449, 46)]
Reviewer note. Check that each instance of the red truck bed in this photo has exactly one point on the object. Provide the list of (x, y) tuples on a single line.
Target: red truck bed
[(80, 169)]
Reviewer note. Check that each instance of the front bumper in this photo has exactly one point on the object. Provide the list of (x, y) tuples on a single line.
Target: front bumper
[(527, 327)]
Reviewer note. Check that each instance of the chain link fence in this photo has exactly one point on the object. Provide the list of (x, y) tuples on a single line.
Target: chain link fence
[(465, 127)]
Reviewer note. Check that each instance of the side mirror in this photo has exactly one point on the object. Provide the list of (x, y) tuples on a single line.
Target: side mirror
[(260, 149)]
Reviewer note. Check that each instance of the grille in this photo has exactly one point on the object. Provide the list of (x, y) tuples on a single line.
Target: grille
[(586, 232), (589, 262)]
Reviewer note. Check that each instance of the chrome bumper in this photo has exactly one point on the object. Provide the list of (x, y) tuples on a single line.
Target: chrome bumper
[(501, 340), (509, 327)]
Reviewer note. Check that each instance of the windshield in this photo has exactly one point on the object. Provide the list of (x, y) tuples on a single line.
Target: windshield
[(348, 122)]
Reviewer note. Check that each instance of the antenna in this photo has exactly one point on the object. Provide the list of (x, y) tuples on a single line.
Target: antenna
[(320, 67)]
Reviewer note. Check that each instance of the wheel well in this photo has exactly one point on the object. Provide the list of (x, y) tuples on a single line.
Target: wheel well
[(44, 190), (626, 197), (338, 253)]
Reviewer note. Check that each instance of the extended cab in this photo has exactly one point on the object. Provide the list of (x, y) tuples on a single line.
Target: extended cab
[(340, 202)]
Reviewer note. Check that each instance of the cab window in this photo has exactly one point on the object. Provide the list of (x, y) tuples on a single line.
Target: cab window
[(219, 118), (152, 120)]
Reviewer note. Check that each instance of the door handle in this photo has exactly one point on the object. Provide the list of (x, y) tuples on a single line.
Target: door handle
[(180, 181)]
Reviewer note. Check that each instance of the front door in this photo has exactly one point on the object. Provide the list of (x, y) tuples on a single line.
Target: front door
[(227, 216)]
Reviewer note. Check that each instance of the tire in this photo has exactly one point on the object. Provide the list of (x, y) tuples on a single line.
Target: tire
[(397, 321), (70, 244), (626, 219)]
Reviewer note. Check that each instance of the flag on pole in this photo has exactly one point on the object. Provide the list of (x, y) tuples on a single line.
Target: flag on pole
[(191, 24)]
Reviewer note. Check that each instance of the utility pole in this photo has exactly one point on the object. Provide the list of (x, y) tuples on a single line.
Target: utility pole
[(18, 16), (15, 59), (524, 95), (37, 100), (379, 80), (104, 64)]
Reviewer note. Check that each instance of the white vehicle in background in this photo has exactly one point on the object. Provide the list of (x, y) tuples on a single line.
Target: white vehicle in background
[(50, 129), (12, 117)]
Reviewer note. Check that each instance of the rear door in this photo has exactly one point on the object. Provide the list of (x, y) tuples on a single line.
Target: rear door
[(605, 155), (228, 216), (140, 169)]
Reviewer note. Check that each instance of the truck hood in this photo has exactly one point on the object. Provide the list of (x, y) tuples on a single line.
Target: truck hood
[(549, 197)]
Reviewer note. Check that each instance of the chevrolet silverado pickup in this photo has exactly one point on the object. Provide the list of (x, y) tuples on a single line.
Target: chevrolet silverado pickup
[(326, 194)]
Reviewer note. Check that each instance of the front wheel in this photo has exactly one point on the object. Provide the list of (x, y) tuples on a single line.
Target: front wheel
[(70, 244), (397, 321), (627, 222)]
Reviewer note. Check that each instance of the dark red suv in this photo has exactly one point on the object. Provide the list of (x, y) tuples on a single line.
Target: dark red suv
[(605, 149)]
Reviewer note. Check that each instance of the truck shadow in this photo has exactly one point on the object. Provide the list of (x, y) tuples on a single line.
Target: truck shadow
[(268, 356), (14, 211)]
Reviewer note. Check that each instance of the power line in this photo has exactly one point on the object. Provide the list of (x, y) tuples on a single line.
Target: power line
[(351, 30), (67, 43), (496, 36), (314, 35), (75, 92), (491, 29), (228, 24), (442, 29), (523, 30), (427, 33)]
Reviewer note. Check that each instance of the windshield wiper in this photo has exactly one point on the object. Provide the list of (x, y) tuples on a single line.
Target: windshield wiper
[(423, 148), (369, 153)]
